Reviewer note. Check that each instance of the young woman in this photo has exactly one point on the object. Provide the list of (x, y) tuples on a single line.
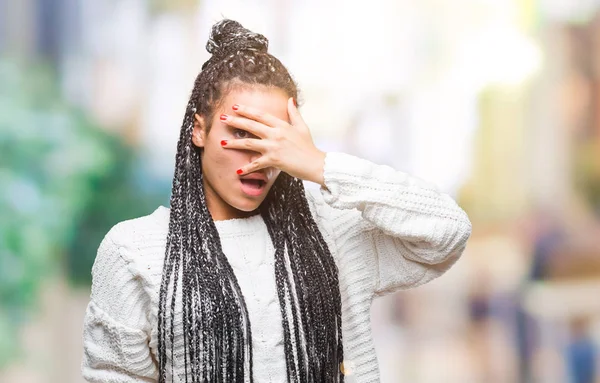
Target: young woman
[(248, 277)]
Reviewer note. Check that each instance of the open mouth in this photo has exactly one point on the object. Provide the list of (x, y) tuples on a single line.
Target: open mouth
[(253, 187), (257, 184)]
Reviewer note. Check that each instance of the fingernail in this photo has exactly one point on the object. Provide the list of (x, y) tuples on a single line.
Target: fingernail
[(239, 171), (293, 99), (223, 117), (223, 142), (235, 107)]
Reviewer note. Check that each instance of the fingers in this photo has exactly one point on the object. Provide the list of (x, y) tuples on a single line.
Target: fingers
[(258, 115), (258, 164), (257, 122), (253, 144), (251, 126), (294, 114)]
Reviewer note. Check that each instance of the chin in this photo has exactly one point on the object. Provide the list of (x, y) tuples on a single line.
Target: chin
[(248, 206)]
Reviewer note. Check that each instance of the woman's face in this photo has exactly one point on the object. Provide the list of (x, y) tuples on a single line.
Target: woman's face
[(229, 195)]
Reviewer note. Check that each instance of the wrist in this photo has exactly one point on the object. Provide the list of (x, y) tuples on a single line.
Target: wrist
[(319, 168)]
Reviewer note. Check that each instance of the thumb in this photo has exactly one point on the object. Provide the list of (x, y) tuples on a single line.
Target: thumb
[(295, 117)]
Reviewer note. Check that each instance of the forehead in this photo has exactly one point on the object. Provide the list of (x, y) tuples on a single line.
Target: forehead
[(266, 99)]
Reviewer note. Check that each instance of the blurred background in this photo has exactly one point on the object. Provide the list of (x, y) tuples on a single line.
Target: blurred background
[(495, 101)]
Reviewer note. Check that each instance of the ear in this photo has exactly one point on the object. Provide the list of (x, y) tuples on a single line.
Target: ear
[(199, 133)]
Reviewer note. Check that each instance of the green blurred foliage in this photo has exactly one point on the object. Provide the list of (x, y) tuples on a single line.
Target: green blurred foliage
[(64, 183), (124, 191)]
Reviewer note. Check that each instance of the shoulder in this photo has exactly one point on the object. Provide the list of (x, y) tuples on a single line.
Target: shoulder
[(136, 244), (137, 238), (128, 266), (137, 232)]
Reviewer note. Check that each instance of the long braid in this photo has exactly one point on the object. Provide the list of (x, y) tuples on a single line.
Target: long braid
[(314, 274), (294, 359), (217, 336)]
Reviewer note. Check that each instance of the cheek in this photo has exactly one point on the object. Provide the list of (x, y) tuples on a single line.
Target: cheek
[(223, 163)]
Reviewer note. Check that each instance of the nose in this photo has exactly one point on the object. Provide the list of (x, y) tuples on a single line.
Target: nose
[(253, 156)]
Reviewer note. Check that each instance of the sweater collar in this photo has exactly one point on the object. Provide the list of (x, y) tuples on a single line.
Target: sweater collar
[(229, 227)]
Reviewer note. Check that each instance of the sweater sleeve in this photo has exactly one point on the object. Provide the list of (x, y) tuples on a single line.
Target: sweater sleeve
[(413, 232), (116, 327)]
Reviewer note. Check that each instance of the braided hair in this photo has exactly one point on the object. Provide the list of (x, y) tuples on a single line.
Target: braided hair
[(217, 336)]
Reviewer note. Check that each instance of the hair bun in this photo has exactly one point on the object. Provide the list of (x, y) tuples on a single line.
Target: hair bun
[(229, 36)]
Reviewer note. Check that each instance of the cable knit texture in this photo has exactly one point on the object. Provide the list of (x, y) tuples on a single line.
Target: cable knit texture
[(386, 230)]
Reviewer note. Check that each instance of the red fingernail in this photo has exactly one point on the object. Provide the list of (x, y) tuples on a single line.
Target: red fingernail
[(224, 142), (239, 171), (293, 99), (223, 117), (235, 107)]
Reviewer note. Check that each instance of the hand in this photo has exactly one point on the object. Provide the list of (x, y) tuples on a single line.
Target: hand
[(285, 146)]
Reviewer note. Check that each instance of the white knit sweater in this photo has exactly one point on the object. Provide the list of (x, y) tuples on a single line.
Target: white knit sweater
[(386, 230)]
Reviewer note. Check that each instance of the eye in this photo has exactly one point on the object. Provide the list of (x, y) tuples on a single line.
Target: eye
[(239, 133)]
